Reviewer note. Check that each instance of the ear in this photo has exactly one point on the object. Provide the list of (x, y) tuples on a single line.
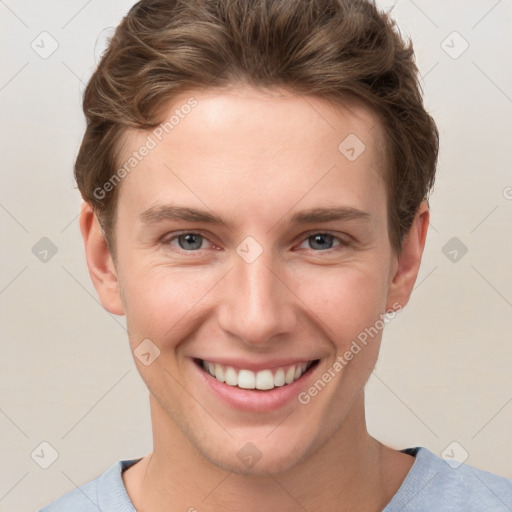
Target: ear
[(409, 259), (99, 261)]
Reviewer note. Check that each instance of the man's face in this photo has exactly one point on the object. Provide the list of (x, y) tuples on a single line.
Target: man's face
[(262, 291)]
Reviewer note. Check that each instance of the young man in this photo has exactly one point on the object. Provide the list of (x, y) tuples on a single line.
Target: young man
[(255, 177)]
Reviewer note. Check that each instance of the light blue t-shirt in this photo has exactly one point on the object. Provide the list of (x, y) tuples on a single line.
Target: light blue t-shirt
[(431, 485)]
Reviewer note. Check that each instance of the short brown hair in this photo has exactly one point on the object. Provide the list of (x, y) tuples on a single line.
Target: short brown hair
[(335, 49)]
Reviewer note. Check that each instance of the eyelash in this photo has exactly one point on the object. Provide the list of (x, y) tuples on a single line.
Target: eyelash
[(342, 242)]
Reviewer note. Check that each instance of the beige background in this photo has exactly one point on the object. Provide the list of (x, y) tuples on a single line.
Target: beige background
[(66, 374)]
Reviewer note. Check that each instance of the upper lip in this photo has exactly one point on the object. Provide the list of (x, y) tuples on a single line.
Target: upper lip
[(256, 366)]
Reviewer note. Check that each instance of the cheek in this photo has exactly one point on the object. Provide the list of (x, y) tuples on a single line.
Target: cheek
[(347, 301), (160, 300), (164, 303)]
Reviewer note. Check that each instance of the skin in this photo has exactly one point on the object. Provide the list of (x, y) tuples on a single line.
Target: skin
[(256, 157)]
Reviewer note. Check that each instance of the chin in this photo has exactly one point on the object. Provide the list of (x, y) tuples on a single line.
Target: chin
[(278, 463), (257, 458)]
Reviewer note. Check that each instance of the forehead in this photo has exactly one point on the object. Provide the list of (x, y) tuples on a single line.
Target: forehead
[(275, 110), (269, 111), (263, 145)]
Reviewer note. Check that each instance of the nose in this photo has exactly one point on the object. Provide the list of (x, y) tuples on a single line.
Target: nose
[(258, 306)]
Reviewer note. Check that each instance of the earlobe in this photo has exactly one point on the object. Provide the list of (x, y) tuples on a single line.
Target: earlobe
[(409, 259), (99, 261)]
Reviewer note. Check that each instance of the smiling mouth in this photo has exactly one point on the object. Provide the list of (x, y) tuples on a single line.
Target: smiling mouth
[(262, 380)]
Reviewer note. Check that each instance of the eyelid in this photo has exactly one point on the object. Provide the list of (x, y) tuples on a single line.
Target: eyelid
[(169, 237), (343, 242), (335, 234)]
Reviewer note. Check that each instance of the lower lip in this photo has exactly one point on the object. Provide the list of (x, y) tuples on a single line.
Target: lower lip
[(255, 400)]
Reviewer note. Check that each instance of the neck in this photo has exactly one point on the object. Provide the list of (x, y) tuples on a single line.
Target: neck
[(351, 471)]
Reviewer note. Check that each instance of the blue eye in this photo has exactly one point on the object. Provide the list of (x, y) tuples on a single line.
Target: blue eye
[(323, 241), (188, 241), (193, 242)]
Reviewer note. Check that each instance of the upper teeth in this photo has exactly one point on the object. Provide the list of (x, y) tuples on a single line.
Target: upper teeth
[(264, 379)]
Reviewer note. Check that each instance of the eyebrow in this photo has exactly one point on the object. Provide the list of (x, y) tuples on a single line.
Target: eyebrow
[(161, 213)]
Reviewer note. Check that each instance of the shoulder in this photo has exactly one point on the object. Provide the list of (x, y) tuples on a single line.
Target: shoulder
[(478, 490), (107, 492), (436, 484), (81, 499)]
